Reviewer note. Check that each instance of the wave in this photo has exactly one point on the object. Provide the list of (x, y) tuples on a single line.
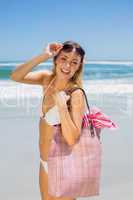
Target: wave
[(13, 90), (114, 87), (129, 63), (19, 63)]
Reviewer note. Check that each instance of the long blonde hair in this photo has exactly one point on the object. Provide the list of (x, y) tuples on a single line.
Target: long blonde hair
[(77, 78)]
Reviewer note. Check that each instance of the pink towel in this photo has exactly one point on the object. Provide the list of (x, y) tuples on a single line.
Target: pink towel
[(99, 119)]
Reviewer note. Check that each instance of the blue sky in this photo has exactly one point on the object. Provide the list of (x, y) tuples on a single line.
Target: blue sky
[(103, 28)]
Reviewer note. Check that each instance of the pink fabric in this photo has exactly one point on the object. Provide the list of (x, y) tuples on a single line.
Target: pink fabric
[(99, 119), (74, 171)]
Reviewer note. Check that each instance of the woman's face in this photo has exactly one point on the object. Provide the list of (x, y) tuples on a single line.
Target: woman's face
[(67, 63)]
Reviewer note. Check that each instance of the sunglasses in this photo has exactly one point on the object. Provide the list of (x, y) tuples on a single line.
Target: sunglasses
[(69, 47)]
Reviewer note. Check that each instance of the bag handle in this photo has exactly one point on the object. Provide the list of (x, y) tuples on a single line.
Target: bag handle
[(90, 120), (70, 91)]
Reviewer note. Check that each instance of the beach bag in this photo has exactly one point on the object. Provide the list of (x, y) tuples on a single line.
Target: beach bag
[(74, 171)]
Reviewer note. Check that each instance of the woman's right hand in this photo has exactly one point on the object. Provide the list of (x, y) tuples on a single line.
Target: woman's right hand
[(52, 49)]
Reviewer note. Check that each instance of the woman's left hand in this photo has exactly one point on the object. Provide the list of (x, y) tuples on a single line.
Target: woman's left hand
[(61, 98)]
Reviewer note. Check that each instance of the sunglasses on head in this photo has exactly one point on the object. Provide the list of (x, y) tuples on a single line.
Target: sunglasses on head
[(70, 47)]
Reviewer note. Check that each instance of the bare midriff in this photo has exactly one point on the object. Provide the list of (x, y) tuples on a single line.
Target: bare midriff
[(45, 130)]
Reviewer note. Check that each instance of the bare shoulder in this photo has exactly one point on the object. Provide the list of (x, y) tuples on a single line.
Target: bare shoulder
[(77, 93), (77, 98), (47, 75)]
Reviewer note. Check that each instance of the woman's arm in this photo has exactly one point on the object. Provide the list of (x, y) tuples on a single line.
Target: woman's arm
[(22, 72), (71, 124)]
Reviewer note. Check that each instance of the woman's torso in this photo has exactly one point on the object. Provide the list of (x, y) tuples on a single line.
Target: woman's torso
[(45, 130)]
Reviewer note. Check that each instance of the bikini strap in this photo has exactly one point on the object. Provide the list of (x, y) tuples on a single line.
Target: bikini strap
[(41, 110), (69, 92), (49, 85)]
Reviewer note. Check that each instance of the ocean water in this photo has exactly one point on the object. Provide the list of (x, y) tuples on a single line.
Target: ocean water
[(92, 70), (103, 82)]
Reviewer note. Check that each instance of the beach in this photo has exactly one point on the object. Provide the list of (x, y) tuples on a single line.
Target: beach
[(20, 106)]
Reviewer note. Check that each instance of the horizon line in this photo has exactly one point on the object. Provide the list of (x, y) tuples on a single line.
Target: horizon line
[(85, 61)]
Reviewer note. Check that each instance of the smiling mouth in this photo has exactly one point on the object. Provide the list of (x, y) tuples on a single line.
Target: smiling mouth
[(65, 71)]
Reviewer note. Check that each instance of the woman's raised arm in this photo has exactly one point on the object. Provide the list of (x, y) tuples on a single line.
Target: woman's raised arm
[(23, 72)]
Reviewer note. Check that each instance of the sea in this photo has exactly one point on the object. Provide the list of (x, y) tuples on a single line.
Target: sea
[(103, 81)]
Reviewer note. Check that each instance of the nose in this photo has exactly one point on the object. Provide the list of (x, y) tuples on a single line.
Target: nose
[(68, 64)]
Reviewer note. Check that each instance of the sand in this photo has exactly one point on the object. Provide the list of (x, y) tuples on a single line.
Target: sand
[(20, 154)]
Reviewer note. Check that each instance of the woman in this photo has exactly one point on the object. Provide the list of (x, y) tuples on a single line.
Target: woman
[(66, 73)]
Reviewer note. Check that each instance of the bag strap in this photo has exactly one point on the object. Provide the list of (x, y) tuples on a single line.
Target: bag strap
[(75, 88), (69, 91)]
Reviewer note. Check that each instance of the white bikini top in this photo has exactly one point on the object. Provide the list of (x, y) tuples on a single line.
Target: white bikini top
[(52, 116)]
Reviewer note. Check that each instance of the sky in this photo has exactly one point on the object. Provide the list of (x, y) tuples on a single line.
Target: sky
[(103, 28)]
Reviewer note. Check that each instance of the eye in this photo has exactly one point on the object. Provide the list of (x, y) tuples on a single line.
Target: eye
[(75, 63), (62, 58)]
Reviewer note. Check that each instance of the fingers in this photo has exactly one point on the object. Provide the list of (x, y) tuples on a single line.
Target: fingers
[(54, 48), (67, 97), (64, 95)]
